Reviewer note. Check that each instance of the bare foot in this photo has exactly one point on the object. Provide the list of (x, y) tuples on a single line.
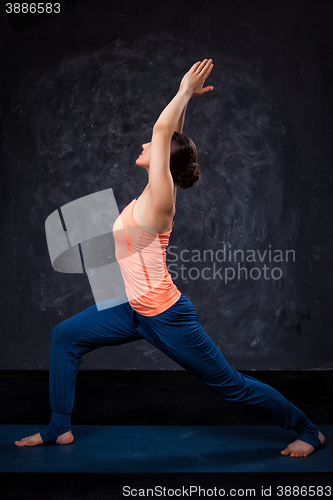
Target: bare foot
[(299, 448), (35, 440)]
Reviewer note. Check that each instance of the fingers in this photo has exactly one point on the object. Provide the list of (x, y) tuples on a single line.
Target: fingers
[(195, 66), (207, 89), (204, 67), (207, 70), (201, 66), (197, 76)]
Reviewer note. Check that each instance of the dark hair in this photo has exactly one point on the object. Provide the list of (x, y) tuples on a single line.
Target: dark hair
[(183, 158)]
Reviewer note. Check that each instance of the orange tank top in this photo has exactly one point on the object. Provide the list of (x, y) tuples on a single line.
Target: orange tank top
[(141, 255)]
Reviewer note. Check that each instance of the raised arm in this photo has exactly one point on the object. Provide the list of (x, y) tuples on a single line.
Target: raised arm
[(180, 124), (171, 120)]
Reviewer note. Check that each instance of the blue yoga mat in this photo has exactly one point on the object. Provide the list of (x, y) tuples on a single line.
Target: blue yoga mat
[(129, 449)]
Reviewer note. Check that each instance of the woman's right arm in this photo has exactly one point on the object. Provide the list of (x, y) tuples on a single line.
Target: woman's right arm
[(197, 92), (160, 179)]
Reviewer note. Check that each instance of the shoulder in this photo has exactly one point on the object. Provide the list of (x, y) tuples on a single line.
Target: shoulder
[(145, 213)]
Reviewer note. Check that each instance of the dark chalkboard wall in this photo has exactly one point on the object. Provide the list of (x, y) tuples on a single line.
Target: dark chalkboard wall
[(81, 93)]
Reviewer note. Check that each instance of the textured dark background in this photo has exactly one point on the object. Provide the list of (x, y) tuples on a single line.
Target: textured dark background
[(80, 94)]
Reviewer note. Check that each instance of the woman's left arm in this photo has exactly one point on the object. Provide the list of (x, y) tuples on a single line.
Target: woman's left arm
[(180, 124)]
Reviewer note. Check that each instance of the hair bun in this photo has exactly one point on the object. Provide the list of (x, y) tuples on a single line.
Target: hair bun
[(188, 176), (183, 156)]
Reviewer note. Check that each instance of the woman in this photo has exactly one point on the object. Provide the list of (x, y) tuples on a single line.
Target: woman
[(157, 311)]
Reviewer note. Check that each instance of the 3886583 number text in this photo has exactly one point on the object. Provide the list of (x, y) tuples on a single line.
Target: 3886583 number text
[(32, 8), (304, 491)]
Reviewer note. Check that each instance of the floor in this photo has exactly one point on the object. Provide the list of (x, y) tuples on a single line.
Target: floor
[(137, 430)]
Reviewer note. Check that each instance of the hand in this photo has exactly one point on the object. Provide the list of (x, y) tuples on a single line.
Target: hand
[(194, 79)]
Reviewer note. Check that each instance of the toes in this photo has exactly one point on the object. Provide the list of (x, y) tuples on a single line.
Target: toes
[(298, 449), (19, 443), (298, 454), (25, 442)]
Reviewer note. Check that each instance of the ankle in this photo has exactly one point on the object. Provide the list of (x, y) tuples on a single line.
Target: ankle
[(60, 423)]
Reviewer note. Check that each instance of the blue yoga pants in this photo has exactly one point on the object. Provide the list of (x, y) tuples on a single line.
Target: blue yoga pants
[(178, 333)]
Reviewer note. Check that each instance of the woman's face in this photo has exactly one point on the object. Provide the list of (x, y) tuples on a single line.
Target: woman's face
[(144, 158)]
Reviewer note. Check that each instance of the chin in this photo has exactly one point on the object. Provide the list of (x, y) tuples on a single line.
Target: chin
[(139, 164)]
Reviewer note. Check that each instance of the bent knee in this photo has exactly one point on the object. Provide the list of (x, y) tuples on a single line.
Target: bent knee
[(60, 334)]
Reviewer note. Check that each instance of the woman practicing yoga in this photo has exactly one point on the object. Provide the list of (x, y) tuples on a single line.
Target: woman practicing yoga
[(156, 310)]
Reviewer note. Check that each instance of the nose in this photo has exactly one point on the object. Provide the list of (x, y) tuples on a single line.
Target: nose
[(144, 146)]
